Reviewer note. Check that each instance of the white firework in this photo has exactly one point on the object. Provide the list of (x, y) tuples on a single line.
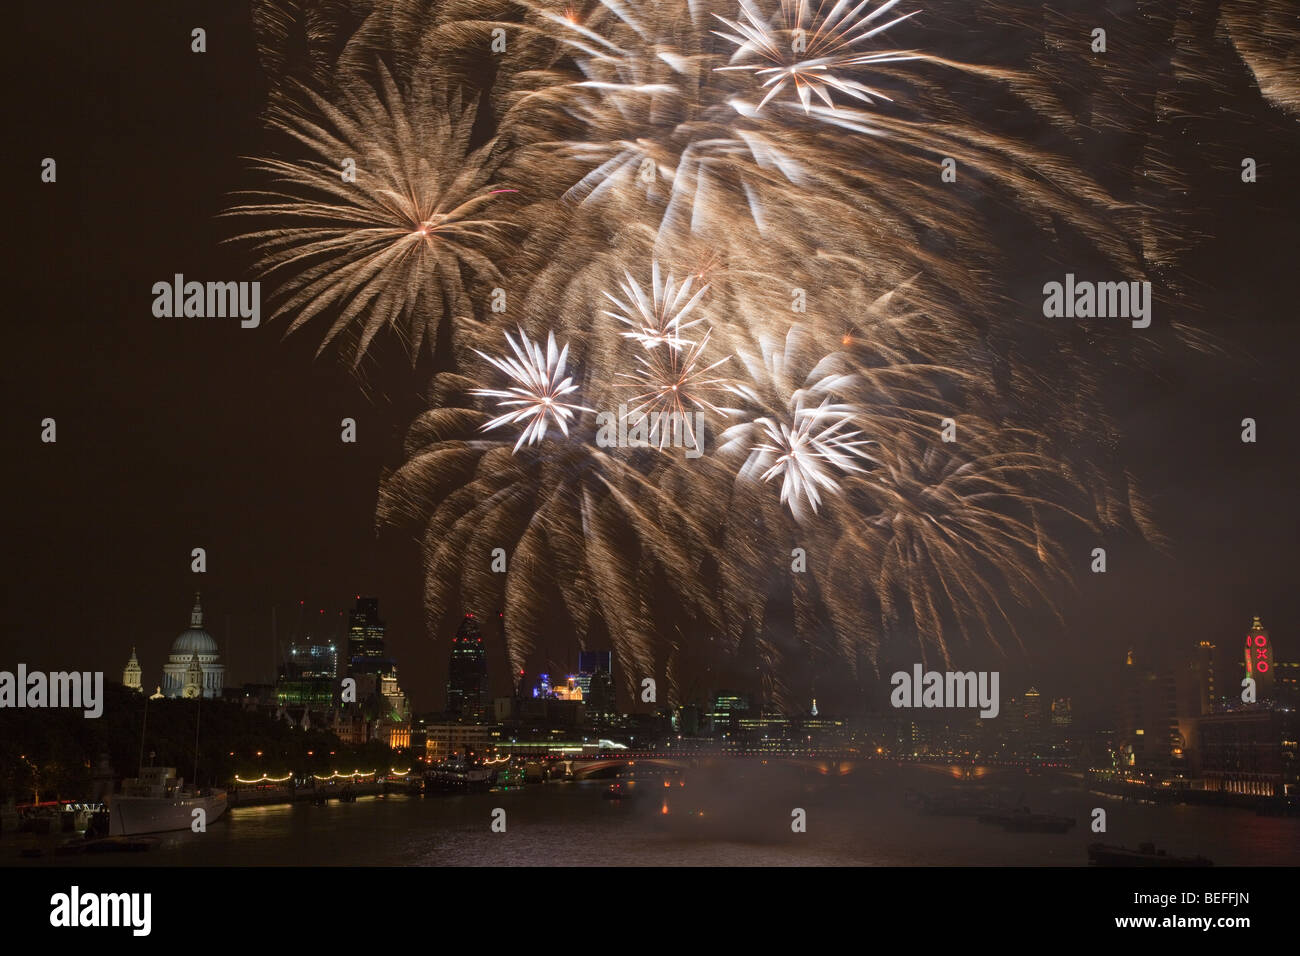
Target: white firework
[(803, 48), (538, 395), (659, 318), (809, 451)]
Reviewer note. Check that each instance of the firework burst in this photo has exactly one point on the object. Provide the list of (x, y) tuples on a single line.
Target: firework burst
[(660, 318), (672, 383), (653, 118), (809, 50), (762, 150), (805, 436), (657, 123), (809, 452), (538, 396), (390, 243)]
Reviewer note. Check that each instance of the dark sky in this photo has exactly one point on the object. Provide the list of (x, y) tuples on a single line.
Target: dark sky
[(174, 434)]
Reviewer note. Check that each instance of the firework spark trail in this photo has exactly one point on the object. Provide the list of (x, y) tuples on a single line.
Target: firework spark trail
[(964, 525), (1267, 35), (318, 30), (580, 526)]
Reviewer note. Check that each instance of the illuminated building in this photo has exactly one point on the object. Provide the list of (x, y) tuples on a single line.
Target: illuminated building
[(591, 663), (381, 710), (366, 638), (1259, 661), (820, 731), (397, 736), (1032, 713), (570, 689), (1149, 738), (315, 660), (1196, 691), (467, 679), (1061, 716), (308, 676), (131, 674), (763, 730), (194, 667), (193, 685), (417, 740), (727, 709), (565, 688), (1196, 698), (1250, 751), (554, 708), (1205, 659), (1286, 683), (600, 702), (399, 708), (351, 728), (308, 693), (448, 739), (596, 678), (543, 688)]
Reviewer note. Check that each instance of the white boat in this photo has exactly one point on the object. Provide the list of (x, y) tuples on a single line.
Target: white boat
[(158, 801)]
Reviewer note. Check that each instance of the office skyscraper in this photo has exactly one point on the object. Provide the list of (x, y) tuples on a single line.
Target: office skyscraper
[(593, 662), (467, 680), (366, 638), (596, 678), (1195, 678)]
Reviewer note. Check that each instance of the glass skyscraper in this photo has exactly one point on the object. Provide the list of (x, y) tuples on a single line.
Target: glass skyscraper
[(366, 638), (467, 679)]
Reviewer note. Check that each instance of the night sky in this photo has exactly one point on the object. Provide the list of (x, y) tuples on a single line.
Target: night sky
[(182, 433)]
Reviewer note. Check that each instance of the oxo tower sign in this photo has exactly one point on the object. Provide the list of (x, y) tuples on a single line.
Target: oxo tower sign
[(1259, 659)]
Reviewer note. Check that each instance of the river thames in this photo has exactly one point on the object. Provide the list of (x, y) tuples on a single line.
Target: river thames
[(733, 815)]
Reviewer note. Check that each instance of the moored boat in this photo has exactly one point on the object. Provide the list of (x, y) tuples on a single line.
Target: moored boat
[(158, 801), (959, 804), (620, 791), (457, 775), (1101, 854), (1023, 821)]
